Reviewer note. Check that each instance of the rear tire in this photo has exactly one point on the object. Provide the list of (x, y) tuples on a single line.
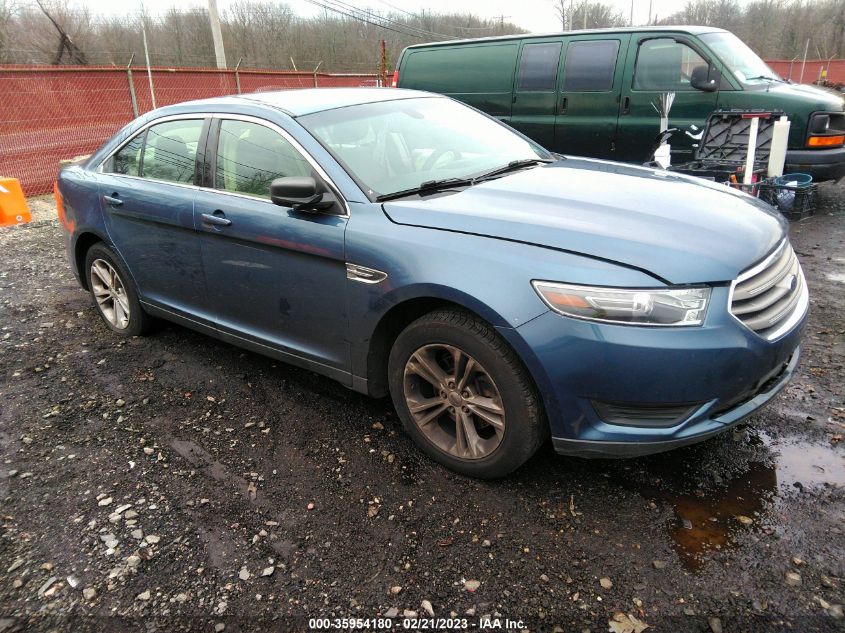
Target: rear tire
[(114, 294), (464, 396)]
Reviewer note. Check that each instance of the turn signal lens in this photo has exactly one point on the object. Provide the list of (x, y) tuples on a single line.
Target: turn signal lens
[(826, 141), (647, 306)]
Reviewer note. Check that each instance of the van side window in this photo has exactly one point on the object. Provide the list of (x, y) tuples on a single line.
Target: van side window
[(665, 64), (538, 67), (590, 66)]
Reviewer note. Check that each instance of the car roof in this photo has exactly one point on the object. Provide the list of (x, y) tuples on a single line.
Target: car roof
[(692, 30), (309, 100)]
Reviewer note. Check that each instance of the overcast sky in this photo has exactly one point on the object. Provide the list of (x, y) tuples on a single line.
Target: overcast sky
[(533, 15)]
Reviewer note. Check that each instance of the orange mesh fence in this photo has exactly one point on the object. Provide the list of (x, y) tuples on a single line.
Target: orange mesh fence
[(814, 70), (57, 112)]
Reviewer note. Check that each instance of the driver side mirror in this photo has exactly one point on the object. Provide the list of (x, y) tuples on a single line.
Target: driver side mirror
[(706, 78), (300, 193)]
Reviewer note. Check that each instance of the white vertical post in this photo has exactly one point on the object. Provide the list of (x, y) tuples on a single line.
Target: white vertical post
[(804, 63), (752, 151), (216, 34)]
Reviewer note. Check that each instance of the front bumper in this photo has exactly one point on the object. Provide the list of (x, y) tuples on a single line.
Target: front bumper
[(723, 421), (821, 164), (725, 370)]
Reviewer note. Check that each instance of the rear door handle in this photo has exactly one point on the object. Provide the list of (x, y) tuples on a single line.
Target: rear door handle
[(113, 200), (563, 105), (626, 105), (216, 219)]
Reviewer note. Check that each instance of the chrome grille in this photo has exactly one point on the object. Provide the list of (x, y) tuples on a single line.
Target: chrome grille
[(771, 297)]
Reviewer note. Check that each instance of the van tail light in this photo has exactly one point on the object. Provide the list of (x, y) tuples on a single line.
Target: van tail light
[(395, 81), (826, 141)]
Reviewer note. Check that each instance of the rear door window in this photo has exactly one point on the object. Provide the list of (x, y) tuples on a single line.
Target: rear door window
[(170, 151), (250, 156), (590, 66), (538, 67)]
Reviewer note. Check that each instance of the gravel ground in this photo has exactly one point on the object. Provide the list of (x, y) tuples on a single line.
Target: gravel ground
[(175, 483)]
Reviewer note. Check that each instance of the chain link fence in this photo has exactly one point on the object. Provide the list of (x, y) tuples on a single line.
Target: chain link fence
[(51, 113)]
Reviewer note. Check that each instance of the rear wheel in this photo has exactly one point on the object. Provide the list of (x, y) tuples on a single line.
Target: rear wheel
[(113, 293), (464, 396)]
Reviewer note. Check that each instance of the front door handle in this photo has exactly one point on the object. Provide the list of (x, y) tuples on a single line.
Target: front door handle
[(113, 200), (626, 105), (216, 219)]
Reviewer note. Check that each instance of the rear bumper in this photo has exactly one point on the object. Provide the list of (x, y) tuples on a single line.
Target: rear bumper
[(821, 164)]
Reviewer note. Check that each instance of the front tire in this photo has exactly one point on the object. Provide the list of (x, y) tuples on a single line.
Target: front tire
[(114, 293), (464, 396)]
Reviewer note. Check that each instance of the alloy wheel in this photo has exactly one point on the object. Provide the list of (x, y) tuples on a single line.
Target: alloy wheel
[(454, 401), (110, 293)]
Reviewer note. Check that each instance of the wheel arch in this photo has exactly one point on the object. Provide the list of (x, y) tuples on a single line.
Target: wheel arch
[(402, 314), (82, 244)]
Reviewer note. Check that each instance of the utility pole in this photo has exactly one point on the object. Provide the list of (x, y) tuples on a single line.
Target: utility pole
[(649, 12), (382, 63), (216, 35), (631, 22), (147, 57), (502, 23)]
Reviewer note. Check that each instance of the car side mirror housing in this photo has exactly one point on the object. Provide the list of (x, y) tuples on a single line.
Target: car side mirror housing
[(706, 78), (301, 194)]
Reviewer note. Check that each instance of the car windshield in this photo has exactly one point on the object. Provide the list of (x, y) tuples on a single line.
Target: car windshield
[(393, 146), (739, 59)]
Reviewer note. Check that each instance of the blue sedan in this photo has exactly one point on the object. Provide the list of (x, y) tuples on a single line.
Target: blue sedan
[(407, 245)]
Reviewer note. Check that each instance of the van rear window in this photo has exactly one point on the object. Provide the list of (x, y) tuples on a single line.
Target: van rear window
[(461, 69), (590, 66)]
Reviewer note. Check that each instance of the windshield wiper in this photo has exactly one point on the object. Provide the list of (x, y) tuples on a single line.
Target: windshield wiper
[(428, 186), (448, 183), (511, 166), (767, 78)]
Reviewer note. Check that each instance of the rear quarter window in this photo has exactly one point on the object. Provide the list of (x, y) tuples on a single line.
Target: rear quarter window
[(461, 69)]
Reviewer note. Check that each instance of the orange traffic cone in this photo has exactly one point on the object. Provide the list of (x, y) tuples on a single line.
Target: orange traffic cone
[(13, 206)]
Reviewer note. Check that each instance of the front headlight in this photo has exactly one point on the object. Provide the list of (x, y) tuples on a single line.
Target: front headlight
[(647, 306)]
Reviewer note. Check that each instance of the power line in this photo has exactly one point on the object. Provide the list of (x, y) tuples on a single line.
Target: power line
[(388, 20), (375, 20)]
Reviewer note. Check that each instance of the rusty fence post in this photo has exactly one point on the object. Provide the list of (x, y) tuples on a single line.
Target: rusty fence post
[(132, 86), (237, 75), (315, 74)]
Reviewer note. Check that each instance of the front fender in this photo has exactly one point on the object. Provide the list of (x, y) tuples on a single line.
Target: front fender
[(488, 276)]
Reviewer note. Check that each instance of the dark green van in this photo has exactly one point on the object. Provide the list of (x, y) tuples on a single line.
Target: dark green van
[(591, 92)]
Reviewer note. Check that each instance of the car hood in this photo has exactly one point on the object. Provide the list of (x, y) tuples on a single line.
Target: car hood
[(680, 229)]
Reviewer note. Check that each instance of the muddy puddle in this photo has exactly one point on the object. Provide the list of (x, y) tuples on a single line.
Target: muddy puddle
[(706, 521)]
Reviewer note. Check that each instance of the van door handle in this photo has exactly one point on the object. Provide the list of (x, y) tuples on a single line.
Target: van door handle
[(563, 104), (626, 105), (113, 200), (216, 219)]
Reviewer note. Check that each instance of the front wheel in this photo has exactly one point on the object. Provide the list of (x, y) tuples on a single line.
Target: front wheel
[(464, 396)]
